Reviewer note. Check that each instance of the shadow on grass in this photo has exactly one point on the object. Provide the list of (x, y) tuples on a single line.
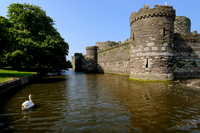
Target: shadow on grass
[(20, 69), (3, 75), (9, 71)]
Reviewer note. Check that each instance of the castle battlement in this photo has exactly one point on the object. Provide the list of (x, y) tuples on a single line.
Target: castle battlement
[(91, 48), (110, 44), (113, 47), (158, 10)]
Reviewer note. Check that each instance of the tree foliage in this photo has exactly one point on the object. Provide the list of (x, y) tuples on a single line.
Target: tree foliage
[(5, 37), (36, 43), (69, 64)]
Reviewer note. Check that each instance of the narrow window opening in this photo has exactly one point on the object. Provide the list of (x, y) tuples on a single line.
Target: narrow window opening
[(133, 35), (164, 31), (147, 63)]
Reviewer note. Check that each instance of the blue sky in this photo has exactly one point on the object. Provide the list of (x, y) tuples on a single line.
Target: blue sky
[(84, 22)]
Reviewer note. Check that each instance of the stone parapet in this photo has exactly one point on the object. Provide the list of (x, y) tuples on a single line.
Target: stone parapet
[(111, 44), (91, 48), (113, 47)]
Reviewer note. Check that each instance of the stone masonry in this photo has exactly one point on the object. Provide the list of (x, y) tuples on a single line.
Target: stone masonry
[(161, 47)]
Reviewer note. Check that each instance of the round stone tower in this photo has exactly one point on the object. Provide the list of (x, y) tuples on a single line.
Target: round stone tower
[(91, 59), (152, 34), (182, 25)]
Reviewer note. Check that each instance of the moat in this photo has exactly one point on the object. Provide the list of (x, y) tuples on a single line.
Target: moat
[(78, 102)]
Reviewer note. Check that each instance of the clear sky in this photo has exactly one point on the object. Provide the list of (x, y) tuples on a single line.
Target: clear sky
[(82, 23)]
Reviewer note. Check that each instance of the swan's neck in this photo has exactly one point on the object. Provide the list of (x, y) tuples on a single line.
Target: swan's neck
[(30, 98)]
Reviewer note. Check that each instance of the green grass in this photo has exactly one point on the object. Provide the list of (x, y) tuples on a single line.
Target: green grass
[(7, 75), (2, 80)]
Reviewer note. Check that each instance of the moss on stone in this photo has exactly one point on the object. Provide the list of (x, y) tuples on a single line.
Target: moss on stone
[(194, 64), (162, 41), (169, 44), (143, 80), (180, 65)]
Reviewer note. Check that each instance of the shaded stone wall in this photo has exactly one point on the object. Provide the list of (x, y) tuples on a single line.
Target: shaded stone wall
[(151, 53), (90, 59), (77, 62), (8, 87), (182, 25), (86, 63), (187, 55), (115, 59)]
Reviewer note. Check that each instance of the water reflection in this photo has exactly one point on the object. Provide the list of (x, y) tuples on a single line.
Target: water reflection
[(78, 102)]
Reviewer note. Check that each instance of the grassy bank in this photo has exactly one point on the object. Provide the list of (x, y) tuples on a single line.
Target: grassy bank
[(7, 75)]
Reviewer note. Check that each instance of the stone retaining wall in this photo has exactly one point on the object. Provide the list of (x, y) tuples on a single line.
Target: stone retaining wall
[(11, 85)]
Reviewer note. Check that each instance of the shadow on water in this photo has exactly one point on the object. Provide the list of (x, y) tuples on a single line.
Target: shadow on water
[(77, 102)]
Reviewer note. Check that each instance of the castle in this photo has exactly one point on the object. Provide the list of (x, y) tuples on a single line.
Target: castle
[(160, 47)]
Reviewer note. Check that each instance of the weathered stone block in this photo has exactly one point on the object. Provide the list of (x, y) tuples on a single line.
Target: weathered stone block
[(150, 44), (165, 44), (163, 48), (154, 48), (146, 49)]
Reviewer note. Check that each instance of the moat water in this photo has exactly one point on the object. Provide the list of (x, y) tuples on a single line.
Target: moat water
[(77, 102)]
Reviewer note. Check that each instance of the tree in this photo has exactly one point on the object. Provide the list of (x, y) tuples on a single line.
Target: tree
[(69, 64), (5, 38), (36, 42)]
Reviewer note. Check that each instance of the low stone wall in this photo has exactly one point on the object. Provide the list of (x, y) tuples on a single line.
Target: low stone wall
[(10, 85)]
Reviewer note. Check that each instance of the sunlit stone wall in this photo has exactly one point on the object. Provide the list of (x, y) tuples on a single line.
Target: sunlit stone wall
[(115, 59), (152, 50)]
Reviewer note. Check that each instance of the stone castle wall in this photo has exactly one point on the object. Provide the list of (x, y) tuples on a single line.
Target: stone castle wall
[(151, 54), (105, 45), (187, 55), (109, 44), (160, 47), (115, 59), (77, 61), (182, 25)]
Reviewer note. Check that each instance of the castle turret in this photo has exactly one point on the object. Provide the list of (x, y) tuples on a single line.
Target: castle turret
[(77, 61), (152, 33), (91, 59), (182, 25)]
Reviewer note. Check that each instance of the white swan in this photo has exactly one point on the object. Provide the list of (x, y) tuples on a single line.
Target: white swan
[(27, 104)]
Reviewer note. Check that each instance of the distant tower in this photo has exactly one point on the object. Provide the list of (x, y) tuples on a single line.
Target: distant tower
[(182, 25), (91, 59), (77, 61), (152, 34)]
